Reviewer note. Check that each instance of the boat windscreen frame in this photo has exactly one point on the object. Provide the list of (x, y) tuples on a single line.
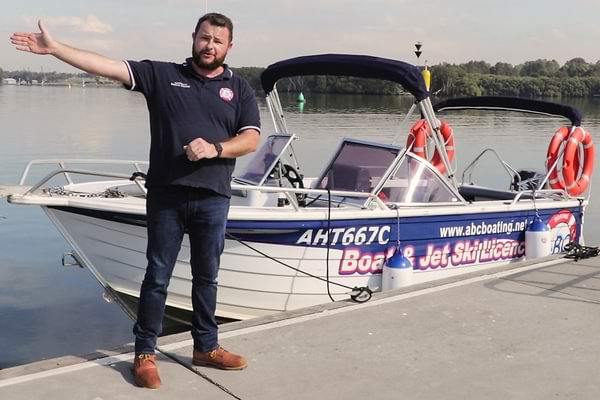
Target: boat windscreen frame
[(397, 163), (273, 164), (359, 142)]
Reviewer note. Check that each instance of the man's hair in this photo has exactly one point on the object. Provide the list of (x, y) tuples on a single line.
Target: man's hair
[(216, 19)]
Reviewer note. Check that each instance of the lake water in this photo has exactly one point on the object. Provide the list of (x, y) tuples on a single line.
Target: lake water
[(47, 310)]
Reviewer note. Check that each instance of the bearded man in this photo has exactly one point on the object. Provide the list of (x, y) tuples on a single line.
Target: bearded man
[(202, 117)]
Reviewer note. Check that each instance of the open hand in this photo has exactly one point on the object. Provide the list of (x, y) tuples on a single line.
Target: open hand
[(198, 149), (37, 43)]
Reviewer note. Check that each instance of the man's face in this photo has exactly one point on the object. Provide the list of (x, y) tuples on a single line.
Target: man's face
[(211, 44)]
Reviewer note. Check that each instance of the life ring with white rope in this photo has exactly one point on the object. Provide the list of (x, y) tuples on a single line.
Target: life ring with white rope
[(417, 138), (575, 178)]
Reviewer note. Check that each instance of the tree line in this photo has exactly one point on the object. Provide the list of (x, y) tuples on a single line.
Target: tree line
[(539, 78)]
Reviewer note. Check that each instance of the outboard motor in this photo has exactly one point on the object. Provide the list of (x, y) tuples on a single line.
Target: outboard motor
[(528, 180)]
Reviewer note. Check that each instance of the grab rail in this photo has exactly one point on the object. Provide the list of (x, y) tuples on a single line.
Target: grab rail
[(62, 163), (471, 166), (543, 193), (289, 192), (65, 171), (537, 193)]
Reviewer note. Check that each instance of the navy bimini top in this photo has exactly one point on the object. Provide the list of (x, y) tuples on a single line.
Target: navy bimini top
[(184, 106)]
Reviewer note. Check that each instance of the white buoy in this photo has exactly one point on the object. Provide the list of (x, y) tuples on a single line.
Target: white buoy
[(537, 240), (397, 272)]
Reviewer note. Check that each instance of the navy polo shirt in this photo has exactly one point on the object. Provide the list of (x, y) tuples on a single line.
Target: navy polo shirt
[(184, 106)]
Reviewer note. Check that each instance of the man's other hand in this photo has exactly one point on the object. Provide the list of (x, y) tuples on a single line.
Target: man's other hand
[(198, 149)]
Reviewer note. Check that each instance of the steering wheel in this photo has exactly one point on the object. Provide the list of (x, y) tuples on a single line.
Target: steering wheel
[(292, 175), (295, 179)]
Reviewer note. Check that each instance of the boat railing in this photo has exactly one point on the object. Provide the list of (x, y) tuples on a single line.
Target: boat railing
[(65, 171), (290, 193), (512, 173), (61, 163), (516, 176), (372, 201), (540, 193)]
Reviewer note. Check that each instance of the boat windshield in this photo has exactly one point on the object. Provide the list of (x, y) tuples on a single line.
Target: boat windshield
[(264, 160), (357, 166), (416, 182)]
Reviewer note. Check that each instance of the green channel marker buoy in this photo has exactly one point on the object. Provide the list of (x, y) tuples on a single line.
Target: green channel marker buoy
[(300, 98)]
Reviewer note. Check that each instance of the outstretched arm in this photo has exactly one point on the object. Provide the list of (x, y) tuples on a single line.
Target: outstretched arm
[(43, 43)]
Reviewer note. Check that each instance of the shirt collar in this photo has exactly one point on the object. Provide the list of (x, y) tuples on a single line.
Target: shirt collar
[(225, 75)]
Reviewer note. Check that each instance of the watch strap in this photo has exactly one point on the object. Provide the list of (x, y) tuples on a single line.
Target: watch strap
[(219, 149)]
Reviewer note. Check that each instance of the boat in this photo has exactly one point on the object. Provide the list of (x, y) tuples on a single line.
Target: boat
[(295, 241)]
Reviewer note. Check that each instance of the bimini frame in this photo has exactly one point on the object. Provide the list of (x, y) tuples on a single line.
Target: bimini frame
[(407, 75)]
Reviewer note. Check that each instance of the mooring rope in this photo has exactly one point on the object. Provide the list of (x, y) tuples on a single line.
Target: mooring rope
[(578, 252), (357, 294)]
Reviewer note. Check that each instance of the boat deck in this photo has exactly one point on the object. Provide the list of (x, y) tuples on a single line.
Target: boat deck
[(528, 331)]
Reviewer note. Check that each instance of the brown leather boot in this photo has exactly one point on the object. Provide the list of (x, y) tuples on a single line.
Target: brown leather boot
[(145, 371), (219, 358)]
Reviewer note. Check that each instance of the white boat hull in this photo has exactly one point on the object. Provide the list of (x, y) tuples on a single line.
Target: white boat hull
[(251, 285)]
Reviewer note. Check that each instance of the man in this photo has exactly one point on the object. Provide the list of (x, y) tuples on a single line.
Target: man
[(202, 117)]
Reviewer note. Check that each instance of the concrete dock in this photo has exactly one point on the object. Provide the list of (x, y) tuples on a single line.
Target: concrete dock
[(526, 331)]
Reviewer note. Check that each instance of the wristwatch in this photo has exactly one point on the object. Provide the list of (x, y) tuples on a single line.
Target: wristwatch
[(219, 149)]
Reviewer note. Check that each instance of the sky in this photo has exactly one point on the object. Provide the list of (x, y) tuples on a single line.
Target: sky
[(266, 31)]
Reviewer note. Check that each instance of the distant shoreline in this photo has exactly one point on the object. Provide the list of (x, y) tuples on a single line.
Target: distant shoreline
[(66, 84), (533, 79)]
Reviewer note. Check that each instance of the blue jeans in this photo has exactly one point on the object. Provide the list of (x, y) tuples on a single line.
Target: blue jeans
[(172, 211)]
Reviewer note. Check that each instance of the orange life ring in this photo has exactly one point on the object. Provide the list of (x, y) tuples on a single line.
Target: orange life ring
[(572, 180), (417, 138)]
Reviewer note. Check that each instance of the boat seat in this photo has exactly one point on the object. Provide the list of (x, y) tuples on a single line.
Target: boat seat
[(481, 193), (350, 177)]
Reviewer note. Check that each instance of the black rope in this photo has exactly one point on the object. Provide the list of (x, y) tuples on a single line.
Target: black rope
[(310, 203), (577, 251), (328, 241), (357, 294), (282, 263)]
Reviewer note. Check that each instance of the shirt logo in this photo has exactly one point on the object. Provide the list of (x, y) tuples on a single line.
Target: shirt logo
[(180, 84), (226, 94)]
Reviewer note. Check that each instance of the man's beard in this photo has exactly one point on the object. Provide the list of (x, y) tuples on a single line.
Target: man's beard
[(218, 62)]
